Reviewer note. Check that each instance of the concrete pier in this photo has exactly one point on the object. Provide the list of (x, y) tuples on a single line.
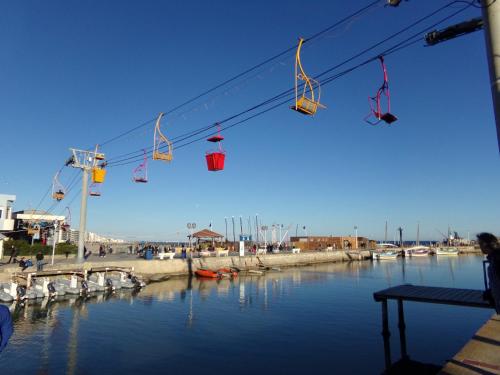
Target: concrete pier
[(481, 355), (182, 267)]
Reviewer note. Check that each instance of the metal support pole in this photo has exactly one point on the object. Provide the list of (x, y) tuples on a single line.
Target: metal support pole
[(241, 225), (54, 240), (257, 229), (234, 235), (402, 328), (386, 334), (83, 215), (491, 18), (225, 219)]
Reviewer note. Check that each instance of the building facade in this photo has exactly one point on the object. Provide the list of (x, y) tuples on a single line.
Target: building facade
[(310, 243)]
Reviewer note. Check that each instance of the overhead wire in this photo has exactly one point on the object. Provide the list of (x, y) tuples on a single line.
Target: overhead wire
[(400, 45), (251, 69)]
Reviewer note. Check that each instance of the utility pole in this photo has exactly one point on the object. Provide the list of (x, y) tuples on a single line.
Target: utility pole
[(225, 219), (234, 235), (491, 17), (385, 236), (257, 228), (87, 162)]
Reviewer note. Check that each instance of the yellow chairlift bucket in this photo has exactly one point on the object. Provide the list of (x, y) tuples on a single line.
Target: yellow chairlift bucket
[(98, 175)]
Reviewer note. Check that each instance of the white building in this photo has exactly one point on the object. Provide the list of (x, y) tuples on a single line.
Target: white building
[(6, 221)]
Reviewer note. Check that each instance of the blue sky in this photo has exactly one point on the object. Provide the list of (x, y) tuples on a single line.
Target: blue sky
[(78, 73)]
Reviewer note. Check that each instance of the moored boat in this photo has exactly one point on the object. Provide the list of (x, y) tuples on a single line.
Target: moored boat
[(202, 272), (387, 255), (418, 251), (447, 251)]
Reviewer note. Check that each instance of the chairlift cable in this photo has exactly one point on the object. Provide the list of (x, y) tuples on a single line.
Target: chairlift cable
[(398, 46)]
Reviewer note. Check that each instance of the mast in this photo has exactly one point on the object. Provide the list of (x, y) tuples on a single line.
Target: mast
[(418, 233), (385, 236)]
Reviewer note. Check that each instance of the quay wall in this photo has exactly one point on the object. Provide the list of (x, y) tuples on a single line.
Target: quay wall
[(180, 267)]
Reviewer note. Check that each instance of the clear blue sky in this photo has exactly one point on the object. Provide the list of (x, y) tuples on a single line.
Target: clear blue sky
[(74, 74)]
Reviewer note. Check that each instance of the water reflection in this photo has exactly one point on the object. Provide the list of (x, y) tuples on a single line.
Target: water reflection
[(318, 303)]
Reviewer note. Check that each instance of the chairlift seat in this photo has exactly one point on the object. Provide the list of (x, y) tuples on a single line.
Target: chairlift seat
[(98, 175), (99, 156), (58, 195), (94, 194), (157, 155), (305, 106), (215, 161), (388, 118), (140, 179)]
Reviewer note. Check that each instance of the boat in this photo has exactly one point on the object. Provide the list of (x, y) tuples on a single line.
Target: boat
[(418, 251), (203, 272), (447, 251), (387, 255), (229, 271)]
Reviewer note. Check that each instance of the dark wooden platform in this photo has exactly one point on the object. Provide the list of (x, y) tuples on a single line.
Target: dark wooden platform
[(431, 294), (426, 294)]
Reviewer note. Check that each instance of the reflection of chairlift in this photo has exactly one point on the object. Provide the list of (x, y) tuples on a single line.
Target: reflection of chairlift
[(140, 174), (215, 159), (160, 140), (58, 190), (307, 102), (376, 115)]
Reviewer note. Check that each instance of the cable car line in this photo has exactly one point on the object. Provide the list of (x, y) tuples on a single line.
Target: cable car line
[(239, 75), (398, 46)]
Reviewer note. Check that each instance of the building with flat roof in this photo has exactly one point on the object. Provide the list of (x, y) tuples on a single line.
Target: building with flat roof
[(306, 243), (6, 203)]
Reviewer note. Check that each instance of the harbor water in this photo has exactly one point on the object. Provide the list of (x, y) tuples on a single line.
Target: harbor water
[(318, 319)]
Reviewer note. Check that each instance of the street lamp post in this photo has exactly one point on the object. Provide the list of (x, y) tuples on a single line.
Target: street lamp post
[(241, 225), (234, 234), (191, 226), (225, 219), (356, 234)]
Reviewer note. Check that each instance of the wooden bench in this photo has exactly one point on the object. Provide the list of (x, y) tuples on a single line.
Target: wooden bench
[(295, 250), (222, 252), (205, 253), (166, 255)]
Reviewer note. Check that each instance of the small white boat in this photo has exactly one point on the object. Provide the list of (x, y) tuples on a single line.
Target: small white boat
[(418, 251), (387, 255), (447, 251)]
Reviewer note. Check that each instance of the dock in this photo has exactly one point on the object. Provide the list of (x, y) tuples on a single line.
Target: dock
[(425, 294)]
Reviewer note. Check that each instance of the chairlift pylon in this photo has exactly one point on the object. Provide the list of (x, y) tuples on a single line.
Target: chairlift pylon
[(376, 115), (140, 173), (308, 101), (159, 140)]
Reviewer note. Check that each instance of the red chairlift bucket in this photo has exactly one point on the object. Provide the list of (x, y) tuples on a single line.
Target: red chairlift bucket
[(215, 161)]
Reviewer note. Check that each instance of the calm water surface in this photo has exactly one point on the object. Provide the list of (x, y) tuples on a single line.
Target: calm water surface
[(318, 319)]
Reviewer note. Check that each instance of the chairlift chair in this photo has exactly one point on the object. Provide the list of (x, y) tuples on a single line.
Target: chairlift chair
[(58, 190), (94, 190), (140, 174), (159, 141), (308, 101), (67, 221), (216, 159), (376, 115)]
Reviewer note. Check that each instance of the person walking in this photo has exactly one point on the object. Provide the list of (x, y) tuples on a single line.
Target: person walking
[(491, 248), (6, 327), (13, 254), (39, 261)]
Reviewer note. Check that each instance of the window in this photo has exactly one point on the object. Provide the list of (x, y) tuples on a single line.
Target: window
[(0, 214)]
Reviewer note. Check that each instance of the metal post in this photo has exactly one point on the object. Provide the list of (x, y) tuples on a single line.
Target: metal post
[(356, 230), (234, 235), (257, 229), (54, 239), (225, 219), (491, 18), (241, 225), (83, 215), (402, 328), (386, 334)]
